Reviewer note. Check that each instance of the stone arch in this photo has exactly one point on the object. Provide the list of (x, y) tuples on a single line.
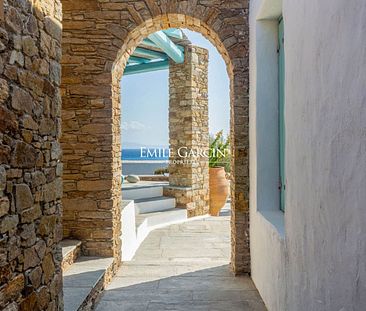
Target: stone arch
[(162, 22), (98, 39)]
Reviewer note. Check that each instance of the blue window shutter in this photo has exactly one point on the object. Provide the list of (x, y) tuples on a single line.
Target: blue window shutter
[(281, 101)]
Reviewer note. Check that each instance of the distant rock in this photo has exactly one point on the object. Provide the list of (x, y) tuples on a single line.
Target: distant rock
[(133, 179)]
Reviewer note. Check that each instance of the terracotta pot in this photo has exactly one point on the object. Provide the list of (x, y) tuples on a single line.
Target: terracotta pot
[(219, 190)]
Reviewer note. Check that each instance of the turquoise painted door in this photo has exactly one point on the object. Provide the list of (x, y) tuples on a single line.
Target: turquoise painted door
[(281, 100)]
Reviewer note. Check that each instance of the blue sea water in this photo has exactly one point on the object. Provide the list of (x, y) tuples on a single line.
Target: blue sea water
[(144, 155)]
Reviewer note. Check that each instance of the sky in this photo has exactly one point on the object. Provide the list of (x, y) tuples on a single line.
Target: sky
[(145, 101)]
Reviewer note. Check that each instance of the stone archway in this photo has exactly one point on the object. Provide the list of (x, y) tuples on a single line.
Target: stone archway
[(98, 38)]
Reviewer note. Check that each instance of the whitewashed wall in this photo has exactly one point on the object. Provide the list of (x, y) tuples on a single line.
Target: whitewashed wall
[(314, 256)]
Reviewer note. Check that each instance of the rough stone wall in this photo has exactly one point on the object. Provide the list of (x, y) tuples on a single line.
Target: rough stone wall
[(30, 167), (98, 38), (90, 140), (188, 131)]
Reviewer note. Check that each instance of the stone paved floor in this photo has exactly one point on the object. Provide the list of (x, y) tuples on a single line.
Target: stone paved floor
[(182, 267)]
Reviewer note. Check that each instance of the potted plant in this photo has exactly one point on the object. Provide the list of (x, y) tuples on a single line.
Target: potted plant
[(219, 167)]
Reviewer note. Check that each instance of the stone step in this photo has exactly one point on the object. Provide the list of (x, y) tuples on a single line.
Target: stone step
[(71, 250), (136, 227), (136, 192), (156, 204), (84, 281), (150, 221)]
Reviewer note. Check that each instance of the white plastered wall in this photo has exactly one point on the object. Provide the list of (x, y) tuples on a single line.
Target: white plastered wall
[(313, 257)]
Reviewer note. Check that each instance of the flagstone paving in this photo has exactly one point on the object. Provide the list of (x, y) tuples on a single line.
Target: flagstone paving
[(183, 267)]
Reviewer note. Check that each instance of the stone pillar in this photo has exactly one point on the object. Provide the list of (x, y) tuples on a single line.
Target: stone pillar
[(30, 156), (90, 141), (188, 132)]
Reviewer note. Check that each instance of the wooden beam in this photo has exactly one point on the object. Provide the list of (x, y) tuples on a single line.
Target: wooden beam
[(174, 33), (148, 67), (137, 60), (145, 53), (168, 46)]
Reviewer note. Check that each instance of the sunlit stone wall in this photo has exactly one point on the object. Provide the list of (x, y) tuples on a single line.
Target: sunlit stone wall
[(188, 131)]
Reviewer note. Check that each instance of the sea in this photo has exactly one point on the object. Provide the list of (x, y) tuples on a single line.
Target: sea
[(149, 154), (144, 162)]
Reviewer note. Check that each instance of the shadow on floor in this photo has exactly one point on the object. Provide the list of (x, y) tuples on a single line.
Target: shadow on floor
[(183, 267), (157, 289)]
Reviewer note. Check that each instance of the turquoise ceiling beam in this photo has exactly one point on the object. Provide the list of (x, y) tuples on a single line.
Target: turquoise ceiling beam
[(150, 54), (168, 46), (148, 42), (148, 67), (174, 33), (137, 60), (147, 58)]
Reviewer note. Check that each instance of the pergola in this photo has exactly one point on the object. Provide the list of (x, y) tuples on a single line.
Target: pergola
[(155, 51)]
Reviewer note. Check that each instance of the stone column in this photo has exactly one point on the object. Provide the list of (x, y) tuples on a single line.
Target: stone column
[(188, 132), (90, 141)]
